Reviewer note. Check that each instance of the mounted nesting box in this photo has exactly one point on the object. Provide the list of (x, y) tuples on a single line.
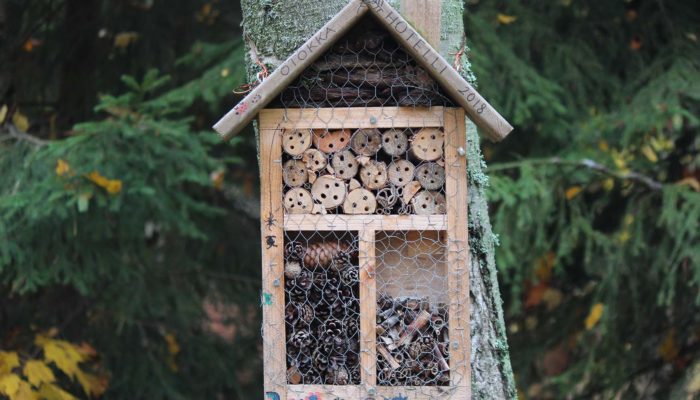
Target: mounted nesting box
[(364, 212)]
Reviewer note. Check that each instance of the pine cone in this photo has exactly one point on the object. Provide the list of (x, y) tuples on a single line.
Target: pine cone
[(323, 253), (320, 359), (298, 314), (332, 335), (301, 340), (339, 376), (350, 276), (292, 270), (293, 250)]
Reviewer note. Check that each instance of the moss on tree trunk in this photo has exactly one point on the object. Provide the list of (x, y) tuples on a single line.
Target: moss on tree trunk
[(276, 28)]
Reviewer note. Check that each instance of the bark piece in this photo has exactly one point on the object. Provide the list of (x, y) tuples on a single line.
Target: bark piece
[(394, 142), (296, 141), (354, 184), (331, 141), (294, 173), (298, 201), (315, 159), (401, 172), (366, 142), (388, 357), (328, 191), (410, 190), (431, 176), (427, 144), (374, 175), (360, 201), (344, 164), (428, 202)]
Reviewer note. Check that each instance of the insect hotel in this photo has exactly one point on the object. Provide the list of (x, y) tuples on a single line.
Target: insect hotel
[(365, 258)]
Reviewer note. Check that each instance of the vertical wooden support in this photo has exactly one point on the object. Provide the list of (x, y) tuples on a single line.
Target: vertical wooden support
[(424, 15), (368, 311), (272, 296), (458, 250)]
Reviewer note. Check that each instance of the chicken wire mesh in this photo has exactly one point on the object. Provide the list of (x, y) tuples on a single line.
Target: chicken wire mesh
[(357, 178)]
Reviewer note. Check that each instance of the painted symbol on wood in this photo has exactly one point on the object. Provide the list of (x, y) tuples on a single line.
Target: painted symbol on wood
[(272, 396), (399, 397), (270, 242), (240, 108), (266, 300), (270, 221)]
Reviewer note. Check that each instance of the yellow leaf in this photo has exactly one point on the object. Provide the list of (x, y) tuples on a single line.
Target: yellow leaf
[(690, 181), (3, 113), (173, 346), (25, 392), (224, 72), (623, 236), (594, 315), (603, 146), (629, 219), (609, 184), (668, 349), (506, 19), (62, 167), (9, 385), (92, 385), (124, 39), (8, 361), (217, 178), (649, 154), (37, 373), (112, 186), (573, 192), (65, 355), (50, 391), (20, 121)]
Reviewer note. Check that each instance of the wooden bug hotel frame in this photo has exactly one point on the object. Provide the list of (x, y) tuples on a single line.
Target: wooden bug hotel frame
[(365, 256)]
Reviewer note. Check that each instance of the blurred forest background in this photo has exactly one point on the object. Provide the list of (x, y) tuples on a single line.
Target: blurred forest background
[(129, 232)]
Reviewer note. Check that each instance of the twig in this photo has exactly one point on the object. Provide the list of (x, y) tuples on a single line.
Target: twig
[(585, 163), (12, 133)]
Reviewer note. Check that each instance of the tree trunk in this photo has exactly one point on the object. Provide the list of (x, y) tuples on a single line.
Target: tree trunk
[(277, 28)]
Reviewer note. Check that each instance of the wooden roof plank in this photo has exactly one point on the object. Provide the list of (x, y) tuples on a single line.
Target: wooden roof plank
[(479, 110), (244, 112)]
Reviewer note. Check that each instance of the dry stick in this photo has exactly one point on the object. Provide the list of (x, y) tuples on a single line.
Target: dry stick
[(417, 324), (388, 357)]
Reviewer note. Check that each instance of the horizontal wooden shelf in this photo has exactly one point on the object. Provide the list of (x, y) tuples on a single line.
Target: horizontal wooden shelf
[(352, 392), (360, 117), (344, 222)]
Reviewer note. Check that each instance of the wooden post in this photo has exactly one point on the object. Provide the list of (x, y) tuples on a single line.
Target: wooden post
[(457, 251), (272, 296), (368, 311)]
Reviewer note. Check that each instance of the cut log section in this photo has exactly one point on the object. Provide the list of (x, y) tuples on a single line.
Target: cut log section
[(431, 176), (328, 191), (360, 201), (401, 172), (344, 164), (366, 142), (294, 173), (315, 159), (296, 141), (394, 142), (428, 202), (331, 141), (298, 201), (374, 175), (427, 144)]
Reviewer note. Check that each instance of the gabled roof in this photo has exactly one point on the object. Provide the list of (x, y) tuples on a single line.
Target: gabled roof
[(479, 110)]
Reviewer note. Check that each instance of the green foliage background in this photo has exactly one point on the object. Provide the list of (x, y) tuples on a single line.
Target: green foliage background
[(594, 196)]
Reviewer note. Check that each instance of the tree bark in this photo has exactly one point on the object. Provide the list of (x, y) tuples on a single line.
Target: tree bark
[(276, 28)]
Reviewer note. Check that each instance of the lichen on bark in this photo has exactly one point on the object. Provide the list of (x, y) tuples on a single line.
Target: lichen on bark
[(276, 28)]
